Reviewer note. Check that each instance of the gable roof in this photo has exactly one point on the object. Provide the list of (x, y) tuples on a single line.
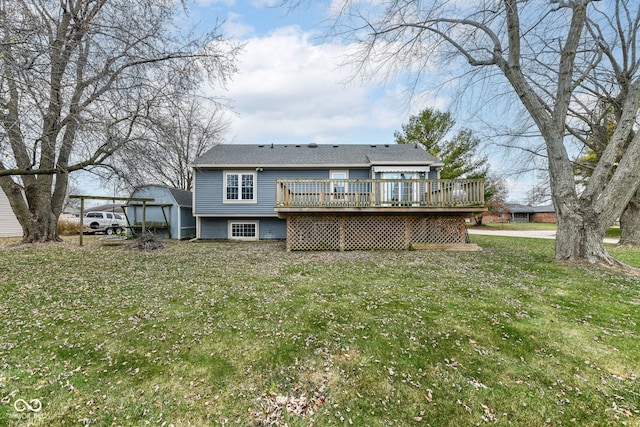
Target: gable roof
[(183, 198), (319, 155)]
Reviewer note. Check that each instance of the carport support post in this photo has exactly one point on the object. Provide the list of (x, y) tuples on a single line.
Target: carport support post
[(81, 219), (144, 217), (136, 199)]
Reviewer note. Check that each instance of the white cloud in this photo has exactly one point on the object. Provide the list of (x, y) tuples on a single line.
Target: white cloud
[(292, 90), (235, 28)]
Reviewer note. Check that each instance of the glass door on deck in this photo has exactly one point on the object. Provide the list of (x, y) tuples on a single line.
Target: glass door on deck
[(398, 192), (338, 184)]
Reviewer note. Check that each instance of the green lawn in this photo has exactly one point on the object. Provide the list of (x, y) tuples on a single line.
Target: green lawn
[(225, 333), (613, 232), (515, 226)]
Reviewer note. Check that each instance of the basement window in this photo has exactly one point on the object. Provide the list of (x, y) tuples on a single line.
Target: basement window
[(243, 230)]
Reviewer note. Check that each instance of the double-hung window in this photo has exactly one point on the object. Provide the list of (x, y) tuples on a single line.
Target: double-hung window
[(240, 187)]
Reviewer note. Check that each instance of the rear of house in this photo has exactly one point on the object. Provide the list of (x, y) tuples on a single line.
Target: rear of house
[(321, 196)]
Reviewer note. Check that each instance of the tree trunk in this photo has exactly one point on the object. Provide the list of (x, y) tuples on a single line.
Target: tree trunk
[(42, 224), (580, 236), (630, 222)]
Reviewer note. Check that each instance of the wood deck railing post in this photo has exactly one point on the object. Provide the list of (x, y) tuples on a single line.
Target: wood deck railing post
[(373, 193)]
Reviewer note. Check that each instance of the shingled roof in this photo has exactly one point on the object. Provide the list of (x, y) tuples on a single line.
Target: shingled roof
[(183, 198), (320, 155)]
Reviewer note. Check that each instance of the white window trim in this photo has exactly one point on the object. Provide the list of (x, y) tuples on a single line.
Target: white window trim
[(230, 226), (338, 195), (240, 172)]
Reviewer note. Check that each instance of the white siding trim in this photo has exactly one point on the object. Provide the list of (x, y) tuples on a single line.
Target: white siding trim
[(9, 225), (400, 169)]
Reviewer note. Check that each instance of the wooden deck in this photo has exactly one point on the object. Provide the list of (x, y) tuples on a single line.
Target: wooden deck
[(376, 196)]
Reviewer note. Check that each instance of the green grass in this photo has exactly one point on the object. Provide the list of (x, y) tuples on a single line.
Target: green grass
[(515, 226), (225, 333)]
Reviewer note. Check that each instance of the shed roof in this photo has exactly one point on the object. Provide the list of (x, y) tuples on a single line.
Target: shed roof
[(183, 198), (320, 155)]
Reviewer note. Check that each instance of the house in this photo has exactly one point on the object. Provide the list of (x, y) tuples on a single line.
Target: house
[(9, 225), (514, 212), (168, 216), (335, 197)]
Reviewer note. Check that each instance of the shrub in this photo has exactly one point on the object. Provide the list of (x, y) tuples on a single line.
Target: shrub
[(69, 226)]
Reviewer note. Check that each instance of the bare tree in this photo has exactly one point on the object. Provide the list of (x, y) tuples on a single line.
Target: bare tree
[(561, 58), (495, 197), (174, 135), (541, 191), (77, 77)]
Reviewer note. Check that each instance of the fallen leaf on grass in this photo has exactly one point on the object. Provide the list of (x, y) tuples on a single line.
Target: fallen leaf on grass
[(464, 405)]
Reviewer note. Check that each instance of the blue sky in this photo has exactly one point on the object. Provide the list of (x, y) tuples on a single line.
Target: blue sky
[(292, 88)]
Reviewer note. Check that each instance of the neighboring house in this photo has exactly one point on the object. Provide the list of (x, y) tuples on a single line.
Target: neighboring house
[(169, 215), (335, 197), (514, 212), (9, 225)]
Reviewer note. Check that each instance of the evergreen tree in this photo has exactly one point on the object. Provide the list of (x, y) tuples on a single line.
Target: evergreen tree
[(459, 154)]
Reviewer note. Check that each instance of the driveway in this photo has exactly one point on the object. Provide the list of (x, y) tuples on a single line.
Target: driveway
[(533, 234)]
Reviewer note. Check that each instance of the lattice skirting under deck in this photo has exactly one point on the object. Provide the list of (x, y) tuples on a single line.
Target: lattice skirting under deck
[(349, 233)]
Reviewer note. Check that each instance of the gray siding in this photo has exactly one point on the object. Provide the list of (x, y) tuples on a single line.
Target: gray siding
[(209, 190), (359, 173), (213, 228), (188, 226), (268, 228), (181, 226), (273, 229)]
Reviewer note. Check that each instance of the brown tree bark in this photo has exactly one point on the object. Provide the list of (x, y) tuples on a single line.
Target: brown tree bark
[(630, 223), (76, 79)]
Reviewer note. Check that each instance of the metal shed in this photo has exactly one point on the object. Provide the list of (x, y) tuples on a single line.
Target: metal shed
[(169, 216)]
